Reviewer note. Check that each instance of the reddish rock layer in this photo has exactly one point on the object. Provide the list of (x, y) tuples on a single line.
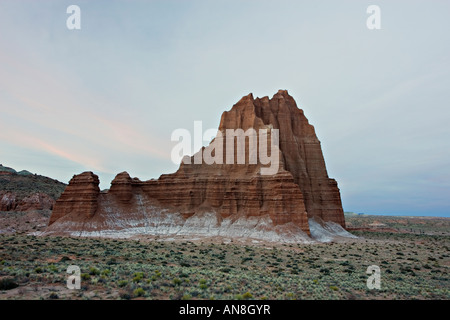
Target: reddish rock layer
[(121, 188), (231, 193), (79, 199), (9, 201), (301, 151)]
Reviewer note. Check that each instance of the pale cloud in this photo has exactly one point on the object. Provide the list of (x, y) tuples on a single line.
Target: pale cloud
[(41, 97)]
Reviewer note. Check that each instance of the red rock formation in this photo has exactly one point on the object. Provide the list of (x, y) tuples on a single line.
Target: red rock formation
[(37, 201), (79, 199), (301, 152), (9, 201), (299, 190), (121, 187)]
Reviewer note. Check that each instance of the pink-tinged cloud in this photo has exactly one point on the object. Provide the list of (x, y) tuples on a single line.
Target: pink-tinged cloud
[(35, 143), (39, 95)]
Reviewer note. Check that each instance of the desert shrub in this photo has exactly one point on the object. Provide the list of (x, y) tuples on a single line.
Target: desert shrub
[(106, 272), (124, 295), (138, 276), (139, 292), (247, 296), (176, 281), (94, 271), (122, 283), (53, 295), (154, 277), (334, 288), (8, 284), (38, 270), (225, 270), (53, 268), (203, 286), (85, 276), (64, 259), (325, 271), (350, 269)]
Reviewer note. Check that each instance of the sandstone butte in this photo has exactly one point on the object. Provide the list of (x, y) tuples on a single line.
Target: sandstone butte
[(227, 200)]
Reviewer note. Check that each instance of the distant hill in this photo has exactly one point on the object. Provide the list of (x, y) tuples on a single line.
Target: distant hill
[(26, 200), (16, 187), (6, 169), (24, 173)]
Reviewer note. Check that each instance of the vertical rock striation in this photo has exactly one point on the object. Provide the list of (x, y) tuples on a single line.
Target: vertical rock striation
[(79, 199)]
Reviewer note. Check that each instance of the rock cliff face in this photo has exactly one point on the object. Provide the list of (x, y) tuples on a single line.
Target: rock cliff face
[(220, 199), (79, 200), (300, 148)]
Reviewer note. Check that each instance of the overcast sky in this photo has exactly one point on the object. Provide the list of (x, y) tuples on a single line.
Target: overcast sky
[(106, 98)]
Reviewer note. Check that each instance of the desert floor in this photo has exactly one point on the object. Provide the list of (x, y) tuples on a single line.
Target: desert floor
[(412, 254)]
